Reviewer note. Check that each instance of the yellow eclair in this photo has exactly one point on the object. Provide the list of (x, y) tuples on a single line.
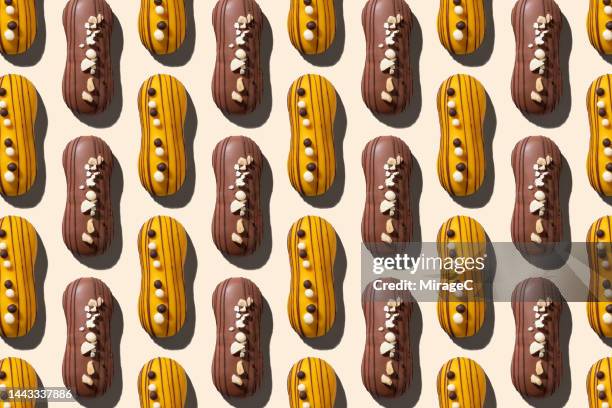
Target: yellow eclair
[(599, 302), (161, 25), (162, 103), (462, 313), (311, 25), (162, 382), (462, 104), (18, 375), (311, 383), (599, 161), (461, 25), (312, 110), (599, 384), (18, 22), (461, 383), (162, 247), (312, 301), (598, 19)]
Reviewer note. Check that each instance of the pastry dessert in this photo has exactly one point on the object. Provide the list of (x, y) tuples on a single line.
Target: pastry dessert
[(537, 81), (311, 383), (386, 85), (87, 227), (599, 161), (18, 375), (162, 382), (599, 26), (312, 111), (88, 84), (312, 301), (311, 25), (461, 383), (598, 384), (537, 225), (386, 368), (237, 225), (599, 302), (461, 25), (18, 250), (537, 363), (238, 362), (18, 22), (386, 226), (18, 109), (162, 104), (161, 25), (462, 313), (237, 85), (162, 248), (87, 368), (462, 105)]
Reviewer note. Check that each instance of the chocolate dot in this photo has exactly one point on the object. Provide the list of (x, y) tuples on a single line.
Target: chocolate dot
[(307, 2), (450, 91), (452, 253), (456, 2), (460, 308), (302, 395), (303, 253), (162, 167), (600, 91), (311, 25), (460, 166), (151, 91), (162, 308), (2, 233), (307, 284), (301, 375), (151, 233), (2, 91), (307, 142), (601, 112), (457, 142), (452, 395), (153, 253), (3, 112), (600, 233), (2, 375), (151, 374), (301, 233), (460, 25), (157, 284), (606, 2), (312, 166), (301, 91), (606, 284), (450, 233), (601, 253), (600, 374), (153, 395), (609, 25), (452, 112), (4, 395), (303, 112), (12, 308), (4, 253), (162, 25), (12, 25), (8, 2), (153, 112), (8, 284), (602, 395), (158, 2), (609, 166), (12, 167), (313, 308), (157, 142), (609, 308), (8, 142), (606, 142), (450, 375)]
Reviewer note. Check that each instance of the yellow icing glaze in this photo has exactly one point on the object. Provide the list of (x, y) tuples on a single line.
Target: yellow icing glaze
[(323, 15), (597, 301), (170, 244), (470, 104), (319, 379), (20, 244), (20, 375), (169, 381), (174, 32), (473, 16), (468, 240), (602, 366), (170, 101), (319, 242), (596, 26), (21, 103), (320, 106), (24, 14), (469, 380), (600, 132)]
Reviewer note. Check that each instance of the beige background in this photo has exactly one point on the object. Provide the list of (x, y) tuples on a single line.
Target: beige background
[(286, 205)]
